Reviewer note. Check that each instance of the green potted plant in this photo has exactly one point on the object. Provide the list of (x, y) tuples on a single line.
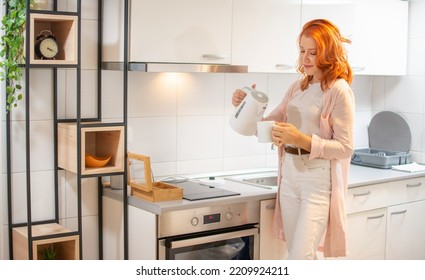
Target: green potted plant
[(12, 50), (48, 253)]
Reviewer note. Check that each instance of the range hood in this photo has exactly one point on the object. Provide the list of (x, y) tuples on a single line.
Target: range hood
[(176, 67)]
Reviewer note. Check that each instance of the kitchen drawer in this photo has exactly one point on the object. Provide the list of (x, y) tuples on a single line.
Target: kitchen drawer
[(367, 198), (405, 191)]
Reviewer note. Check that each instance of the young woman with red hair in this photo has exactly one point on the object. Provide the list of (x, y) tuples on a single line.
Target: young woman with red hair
[(314, 132)]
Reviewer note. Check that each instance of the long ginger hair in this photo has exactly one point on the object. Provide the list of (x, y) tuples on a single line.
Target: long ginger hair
[(331, 56)]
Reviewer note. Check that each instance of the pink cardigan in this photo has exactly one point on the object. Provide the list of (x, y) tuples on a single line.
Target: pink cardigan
[(335, 143)]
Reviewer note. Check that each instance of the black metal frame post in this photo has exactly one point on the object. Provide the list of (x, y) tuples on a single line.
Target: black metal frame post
[(124, 123)]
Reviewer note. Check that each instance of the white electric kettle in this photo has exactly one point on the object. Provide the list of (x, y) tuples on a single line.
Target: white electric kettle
[(249, 112)]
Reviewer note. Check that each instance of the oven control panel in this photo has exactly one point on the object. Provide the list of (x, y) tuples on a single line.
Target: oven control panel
[(212, 218), (208, 218)]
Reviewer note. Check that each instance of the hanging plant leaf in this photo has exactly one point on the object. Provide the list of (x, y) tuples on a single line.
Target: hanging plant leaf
[(12, 50)]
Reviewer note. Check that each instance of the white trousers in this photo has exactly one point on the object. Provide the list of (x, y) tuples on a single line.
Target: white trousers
[(304, 197)]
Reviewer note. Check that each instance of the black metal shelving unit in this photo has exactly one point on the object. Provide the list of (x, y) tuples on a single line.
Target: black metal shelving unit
[(28, 67), (81, 123)]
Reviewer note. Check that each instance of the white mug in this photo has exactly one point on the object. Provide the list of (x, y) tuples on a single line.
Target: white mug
[(264, 131)]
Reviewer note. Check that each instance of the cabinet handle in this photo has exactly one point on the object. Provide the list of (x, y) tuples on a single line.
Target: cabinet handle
[(270, 207), (413, 185), (398, 212), (361, 194), (376, 217), (358, 69), (214, 56), (284, 66)]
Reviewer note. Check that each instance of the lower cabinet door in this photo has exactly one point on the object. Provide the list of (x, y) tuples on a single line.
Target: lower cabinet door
[(366, 235), (406, 232), (270, 247)]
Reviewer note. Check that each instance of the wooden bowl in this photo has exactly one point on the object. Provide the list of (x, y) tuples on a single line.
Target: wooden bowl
[(94, 161)]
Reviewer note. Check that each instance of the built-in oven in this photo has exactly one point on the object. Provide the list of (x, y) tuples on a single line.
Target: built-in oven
[(210, 233)]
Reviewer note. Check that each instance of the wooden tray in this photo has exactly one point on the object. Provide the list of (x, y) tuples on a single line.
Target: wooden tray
[(148, 190)]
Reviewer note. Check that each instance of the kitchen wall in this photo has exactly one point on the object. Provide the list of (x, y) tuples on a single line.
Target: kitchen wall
[(181, 121)]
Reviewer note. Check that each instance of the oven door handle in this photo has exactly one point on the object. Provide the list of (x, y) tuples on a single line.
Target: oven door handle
[(174, 244)]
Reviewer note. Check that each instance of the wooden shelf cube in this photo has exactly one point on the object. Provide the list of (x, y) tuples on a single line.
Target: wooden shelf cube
[(97, 141), (64, 28), (67, 247)]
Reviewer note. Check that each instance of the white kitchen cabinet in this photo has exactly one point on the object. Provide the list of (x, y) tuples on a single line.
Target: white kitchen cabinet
[(377, 29), (385, 221), (141, 232), (264, 34), (184, 31), (366, 235), (406, 232), (270, 247)]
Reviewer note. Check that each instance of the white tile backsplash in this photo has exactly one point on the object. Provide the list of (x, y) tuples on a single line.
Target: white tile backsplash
[(362, 87), (278, 84), (200, 94), (405, 94), (199, 166), (237, 145), (416, 19), (152, 94), (378, 93), (244, 162), (416, 57), (155, 137), (415, 122), (199, 137), (362, 120)]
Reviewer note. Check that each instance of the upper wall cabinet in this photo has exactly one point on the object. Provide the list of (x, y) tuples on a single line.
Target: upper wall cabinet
[(378, 31), (184, 31), (264, 34)]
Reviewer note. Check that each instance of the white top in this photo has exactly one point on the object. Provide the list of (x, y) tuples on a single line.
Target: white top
[(304, 110)]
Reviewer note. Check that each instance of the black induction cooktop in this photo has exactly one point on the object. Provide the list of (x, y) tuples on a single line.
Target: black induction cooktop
[(195, 191)]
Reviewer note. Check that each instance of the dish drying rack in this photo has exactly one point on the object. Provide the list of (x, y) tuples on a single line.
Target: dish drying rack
[(390, 140), (379, 158)]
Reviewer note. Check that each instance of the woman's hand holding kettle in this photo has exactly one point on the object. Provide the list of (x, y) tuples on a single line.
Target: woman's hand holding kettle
[(238, 96)]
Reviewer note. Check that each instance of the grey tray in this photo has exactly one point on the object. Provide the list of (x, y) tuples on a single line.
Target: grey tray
[(379, 158)]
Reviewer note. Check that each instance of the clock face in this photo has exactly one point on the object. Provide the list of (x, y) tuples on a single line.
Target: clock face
[(49, 48)]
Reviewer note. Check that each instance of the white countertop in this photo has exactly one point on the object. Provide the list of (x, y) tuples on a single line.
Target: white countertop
[(359, 176)]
